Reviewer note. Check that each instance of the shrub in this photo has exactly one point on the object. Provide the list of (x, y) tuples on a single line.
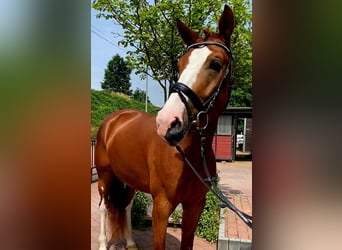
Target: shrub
[(209, 222), (176, 216), (139, 209)]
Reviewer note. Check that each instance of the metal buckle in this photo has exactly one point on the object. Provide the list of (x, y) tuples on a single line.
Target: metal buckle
[(202, 120)]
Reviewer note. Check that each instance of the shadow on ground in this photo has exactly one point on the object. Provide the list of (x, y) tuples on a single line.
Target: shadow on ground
[(144, 238), (227, 190), (243, 156)]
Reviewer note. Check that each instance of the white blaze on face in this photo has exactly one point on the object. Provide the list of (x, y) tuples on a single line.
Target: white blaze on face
[(196, 61), (174, 107)]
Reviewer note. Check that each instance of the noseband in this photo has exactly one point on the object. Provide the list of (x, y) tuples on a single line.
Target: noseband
[(183, 90)]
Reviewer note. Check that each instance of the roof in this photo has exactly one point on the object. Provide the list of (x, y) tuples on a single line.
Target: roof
[(241, 112)]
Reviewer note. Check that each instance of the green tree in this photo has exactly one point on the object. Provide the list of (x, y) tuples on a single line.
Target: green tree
[(140, 95), (149, 29), (241, 45), (117, 76)]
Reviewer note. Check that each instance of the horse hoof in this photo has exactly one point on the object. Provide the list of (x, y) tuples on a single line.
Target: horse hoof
[(119, 245), (132, 247)]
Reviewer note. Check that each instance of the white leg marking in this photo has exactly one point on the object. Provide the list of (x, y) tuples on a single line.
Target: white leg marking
[(129, 238), (102, 236)]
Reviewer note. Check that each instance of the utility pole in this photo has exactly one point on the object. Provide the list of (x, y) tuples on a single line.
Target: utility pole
[(146, 93)]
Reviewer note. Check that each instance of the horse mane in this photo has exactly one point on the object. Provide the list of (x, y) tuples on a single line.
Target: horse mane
[(210, 35)]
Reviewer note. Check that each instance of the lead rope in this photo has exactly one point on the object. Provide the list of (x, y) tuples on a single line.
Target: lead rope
[(214, 189)]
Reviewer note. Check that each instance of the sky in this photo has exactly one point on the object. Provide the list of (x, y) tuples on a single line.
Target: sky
[(104, 45)]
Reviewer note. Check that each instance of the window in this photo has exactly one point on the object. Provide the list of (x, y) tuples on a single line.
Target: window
[(224, 125)]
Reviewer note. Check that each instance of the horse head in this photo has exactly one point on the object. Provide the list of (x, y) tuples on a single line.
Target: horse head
[(202, 71)]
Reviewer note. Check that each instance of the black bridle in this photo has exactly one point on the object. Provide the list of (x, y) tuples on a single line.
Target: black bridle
[(203, 108), (183, 90)]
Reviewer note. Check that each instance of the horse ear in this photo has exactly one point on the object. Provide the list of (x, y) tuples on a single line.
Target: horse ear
[(226, 24), (189, 37)]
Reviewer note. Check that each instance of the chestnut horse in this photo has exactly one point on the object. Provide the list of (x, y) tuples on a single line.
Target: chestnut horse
[(134, 150)]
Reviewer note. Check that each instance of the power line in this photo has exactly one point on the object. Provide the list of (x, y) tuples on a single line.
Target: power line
[(103, 37), (106, 39), (102, 32)]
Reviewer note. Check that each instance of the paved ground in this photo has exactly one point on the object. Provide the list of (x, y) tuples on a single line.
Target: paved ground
[(235, 183)]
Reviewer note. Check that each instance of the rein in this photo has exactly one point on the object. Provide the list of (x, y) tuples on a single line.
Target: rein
[(203, 109), (247, 219)]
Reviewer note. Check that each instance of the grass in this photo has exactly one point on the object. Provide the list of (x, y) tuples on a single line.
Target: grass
[(105, 102)]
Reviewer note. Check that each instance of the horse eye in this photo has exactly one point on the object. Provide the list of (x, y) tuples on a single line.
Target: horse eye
[(215, 65)]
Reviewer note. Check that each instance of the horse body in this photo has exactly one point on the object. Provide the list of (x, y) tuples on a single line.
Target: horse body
[(137, 132), (160, 170), (124, 128), (134, 150)]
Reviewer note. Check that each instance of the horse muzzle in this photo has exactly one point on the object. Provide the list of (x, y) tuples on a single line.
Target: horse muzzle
[(175, 133), (170, 123)]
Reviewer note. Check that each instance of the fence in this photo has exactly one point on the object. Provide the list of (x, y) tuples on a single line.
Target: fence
[(93, 171)]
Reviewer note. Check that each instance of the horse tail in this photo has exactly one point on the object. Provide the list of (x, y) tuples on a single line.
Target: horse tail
[(117, 197), (116, 203), (115, 194)]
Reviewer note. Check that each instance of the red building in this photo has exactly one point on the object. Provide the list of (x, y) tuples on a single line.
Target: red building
[(224, 143)]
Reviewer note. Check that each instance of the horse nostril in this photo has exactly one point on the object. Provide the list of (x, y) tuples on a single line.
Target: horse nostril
[(175, 133), (176, 124)]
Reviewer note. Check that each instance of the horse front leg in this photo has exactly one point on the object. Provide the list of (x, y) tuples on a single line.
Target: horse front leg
[(160, 214), (191, 215)]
